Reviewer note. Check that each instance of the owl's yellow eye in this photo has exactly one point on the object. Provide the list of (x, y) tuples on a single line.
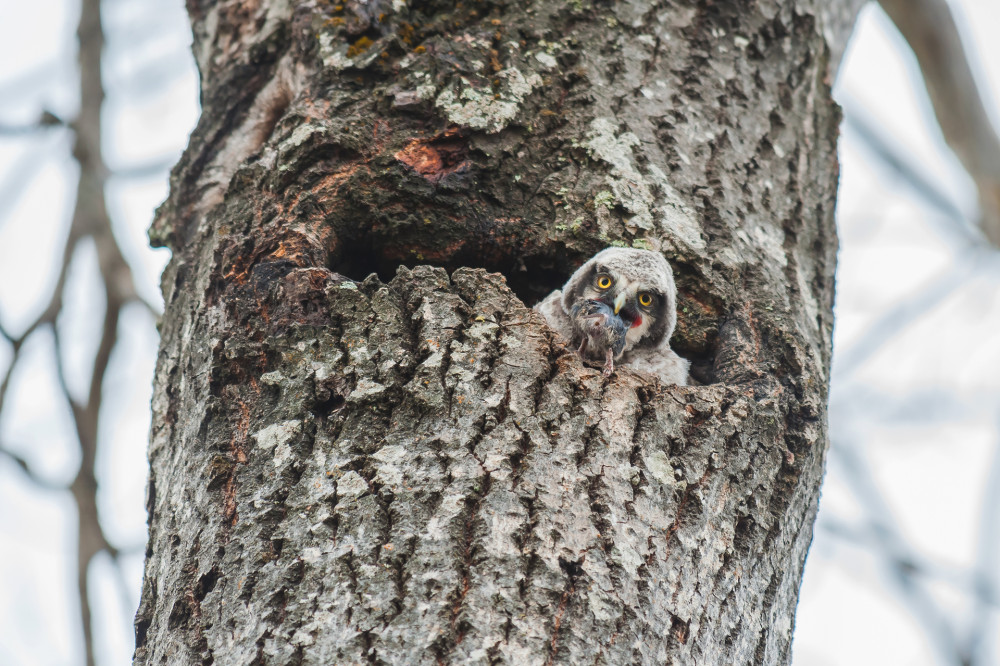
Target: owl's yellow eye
[(645, 299), (603, 282)]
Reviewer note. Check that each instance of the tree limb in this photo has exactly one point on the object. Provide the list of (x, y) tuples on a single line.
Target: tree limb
[(929, 28)]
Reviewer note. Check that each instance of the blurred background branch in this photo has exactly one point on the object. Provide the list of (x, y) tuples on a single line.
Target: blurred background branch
[(929, 28), (90, 220), (68, 341)]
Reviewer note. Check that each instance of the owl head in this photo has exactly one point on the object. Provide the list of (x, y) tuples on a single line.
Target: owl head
[(637, 284)]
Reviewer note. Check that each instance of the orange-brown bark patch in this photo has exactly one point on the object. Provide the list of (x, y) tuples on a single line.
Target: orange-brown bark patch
[(436, 157)]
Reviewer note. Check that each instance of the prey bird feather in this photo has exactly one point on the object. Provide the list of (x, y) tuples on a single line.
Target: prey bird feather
[(601, 332)]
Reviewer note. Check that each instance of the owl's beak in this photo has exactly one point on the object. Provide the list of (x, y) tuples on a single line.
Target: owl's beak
[(620, 301)]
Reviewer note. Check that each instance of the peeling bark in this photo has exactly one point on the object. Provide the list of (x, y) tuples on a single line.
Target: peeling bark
[(408, 467)]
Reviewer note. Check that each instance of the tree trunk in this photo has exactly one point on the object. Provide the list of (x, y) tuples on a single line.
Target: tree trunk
[(410, 467)]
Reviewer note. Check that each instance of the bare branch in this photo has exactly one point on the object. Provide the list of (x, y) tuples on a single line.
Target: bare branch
[(30, 473), (90, 218), (874, 138), (46, 120), (863, 537), (47, 317), (901, 316), (930, 30), (151, 308), (9, 371), (900, 559), (987, 556)]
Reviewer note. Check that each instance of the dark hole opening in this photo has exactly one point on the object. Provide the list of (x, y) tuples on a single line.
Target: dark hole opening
[(531, 276)]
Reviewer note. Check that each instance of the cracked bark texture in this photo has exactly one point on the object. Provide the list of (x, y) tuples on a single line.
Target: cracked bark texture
[(405, 466)]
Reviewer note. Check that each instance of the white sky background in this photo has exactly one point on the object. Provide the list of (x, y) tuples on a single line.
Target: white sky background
[(921, 410)]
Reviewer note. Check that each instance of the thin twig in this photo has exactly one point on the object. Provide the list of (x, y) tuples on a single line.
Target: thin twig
[(46, 120), (958, 580), (900, 317), (858, 122), (28, 472), (979, 646), (900, 560)]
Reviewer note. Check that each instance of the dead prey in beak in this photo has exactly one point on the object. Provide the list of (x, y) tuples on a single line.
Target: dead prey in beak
[(601, 332)]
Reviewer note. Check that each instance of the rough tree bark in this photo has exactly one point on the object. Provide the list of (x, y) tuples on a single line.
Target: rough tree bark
[(408, 467)]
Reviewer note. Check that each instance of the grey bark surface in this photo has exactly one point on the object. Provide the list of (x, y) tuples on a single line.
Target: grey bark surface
[(408, 468)]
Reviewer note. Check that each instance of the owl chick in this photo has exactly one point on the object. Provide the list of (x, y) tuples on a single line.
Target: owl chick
[(601, 331), (638, 286)]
